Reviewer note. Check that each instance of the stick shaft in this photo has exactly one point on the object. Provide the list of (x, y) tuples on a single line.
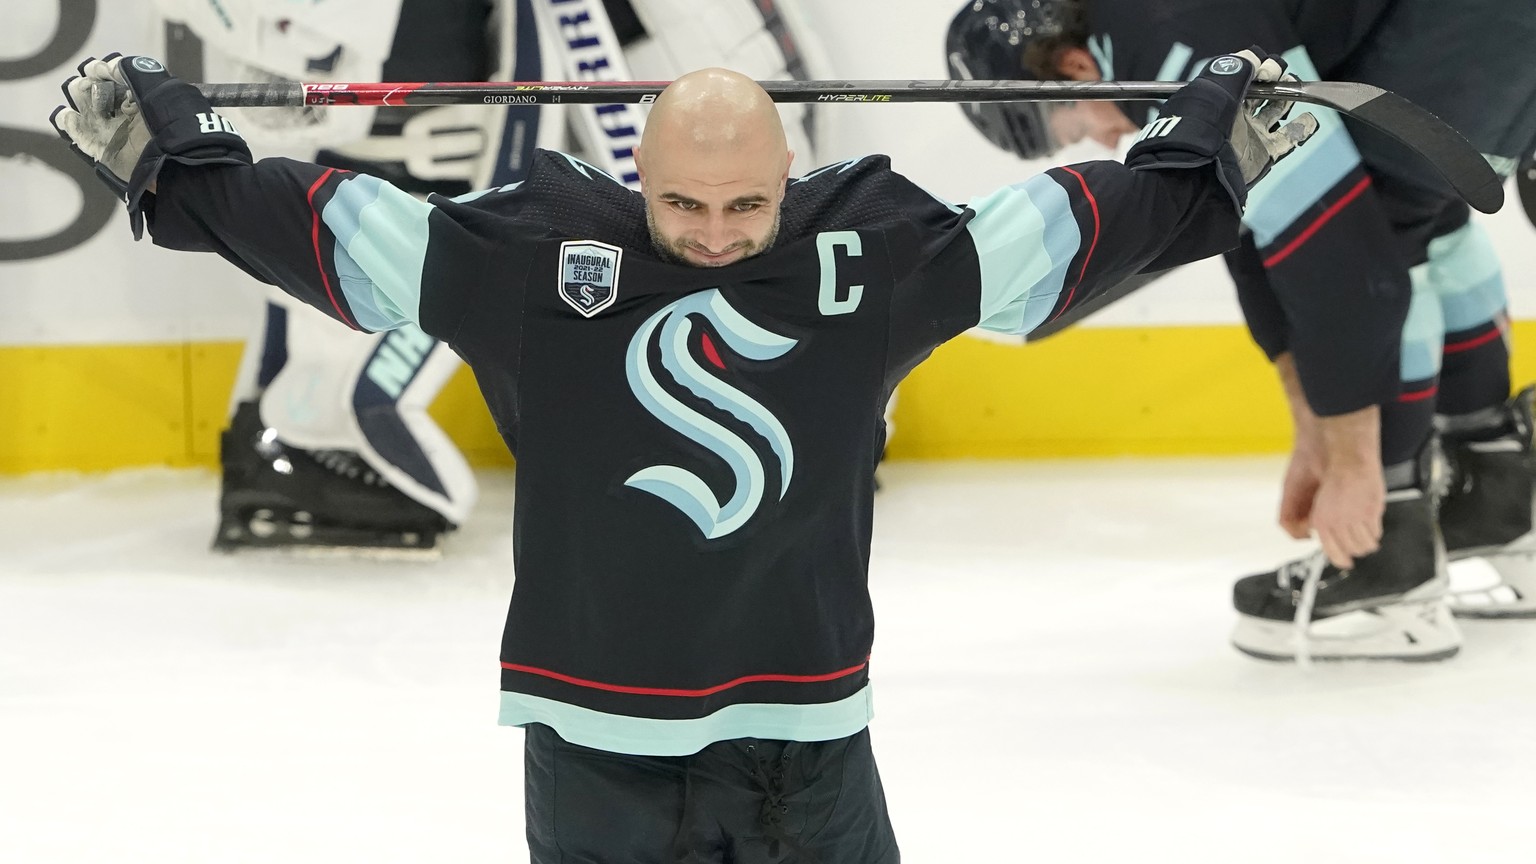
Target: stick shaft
[(1441, 146), (612, 92)]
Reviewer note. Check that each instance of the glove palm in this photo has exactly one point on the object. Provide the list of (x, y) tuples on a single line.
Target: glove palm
[(103, 123), (1259, 138)]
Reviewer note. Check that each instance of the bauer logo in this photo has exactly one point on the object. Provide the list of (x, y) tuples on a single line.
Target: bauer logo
[(1227, 65), (589, 275), (147, 64)]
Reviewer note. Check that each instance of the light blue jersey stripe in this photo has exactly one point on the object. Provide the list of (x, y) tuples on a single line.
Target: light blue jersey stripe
[(381, 247), (1423, 331), (1465, 274), (372, 310), (1300, 179), (644, 736), (467, 197), (1459, 288), (1025, 236)]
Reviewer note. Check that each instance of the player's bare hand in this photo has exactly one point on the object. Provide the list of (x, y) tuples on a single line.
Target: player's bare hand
[(1303, 479), (1347, 511)]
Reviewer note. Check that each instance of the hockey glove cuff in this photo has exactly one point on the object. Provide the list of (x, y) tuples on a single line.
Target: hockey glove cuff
[(1209, 121), (127, 116)]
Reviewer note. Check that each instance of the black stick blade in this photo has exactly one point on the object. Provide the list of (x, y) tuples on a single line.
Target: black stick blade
[(1525, 181), (1443, 147)]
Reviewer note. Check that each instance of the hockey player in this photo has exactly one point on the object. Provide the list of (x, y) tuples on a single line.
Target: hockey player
[(330, 443), (1360, 276), (691, 377)]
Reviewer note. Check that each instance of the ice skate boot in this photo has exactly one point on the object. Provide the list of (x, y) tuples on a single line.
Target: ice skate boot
[(1487, 510), (1389, 606), (277, 496)]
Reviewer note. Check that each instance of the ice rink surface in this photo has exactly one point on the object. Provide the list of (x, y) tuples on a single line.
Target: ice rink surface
[(1052, 679)]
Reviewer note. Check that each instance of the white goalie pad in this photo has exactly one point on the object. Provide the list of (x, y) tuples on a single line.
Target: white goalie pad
[(764, 39), (579, 44), (313, 403), (463, 142), (273, 41)]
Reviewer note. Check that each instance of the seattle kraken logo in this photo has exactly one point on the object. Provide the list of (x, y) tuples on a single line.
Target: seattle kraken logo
[(670, 329)]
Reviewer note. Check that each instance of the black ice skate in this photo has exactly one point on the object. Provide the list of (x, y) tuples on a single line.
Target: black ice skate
[(1487, 509), (1389, 606), (277, 496)]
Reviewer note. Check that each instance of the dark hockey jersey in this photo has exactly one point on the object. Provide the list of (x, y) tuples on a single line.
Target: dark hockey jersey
[(1321, 273), (695, 446)]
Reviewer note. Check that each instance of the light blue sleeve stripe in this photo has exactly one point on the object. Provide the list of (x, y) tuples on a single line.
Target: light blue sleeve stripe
[(1025, 237), (1300, 179), (1423, 330), (481, 193), (644, 736), (371, 308), (1465, 274), (381, 247)]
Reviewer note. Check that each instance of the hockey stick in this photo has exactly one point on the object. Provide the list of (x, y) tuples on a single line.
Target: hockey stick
[(1450, 154)]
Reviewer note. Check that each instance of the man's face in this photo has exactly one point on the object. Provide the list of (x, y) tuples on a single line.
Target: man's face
[(1101, 121), (714, 207), (1071, 122)]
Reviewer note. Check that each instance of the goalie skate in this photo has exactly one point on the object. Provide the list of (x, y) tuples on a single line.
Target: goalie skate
[(279, 497), (1487, 511), (1389, 606)]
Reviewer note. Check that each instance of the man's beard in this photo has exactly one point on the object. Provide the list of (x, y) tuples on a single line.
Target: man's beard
[(675, 252)]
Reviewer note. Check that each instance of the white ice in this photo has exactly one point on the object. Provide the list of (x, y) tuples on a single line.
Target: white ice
[(1052, 676)]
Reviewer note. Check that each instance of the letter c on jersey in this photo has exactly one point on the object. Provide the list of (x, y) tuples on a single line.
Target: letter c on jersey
[(826, 250)]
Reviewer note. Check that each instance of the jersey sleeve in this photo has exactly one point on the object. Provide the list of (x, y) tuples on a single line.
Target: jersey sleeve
[(1026, 254), (1058, 240), (353, 246)]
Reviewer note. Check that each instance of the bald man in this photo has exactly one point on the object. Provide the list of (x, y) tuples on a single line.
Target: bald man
[(691, 378), (713, 167)]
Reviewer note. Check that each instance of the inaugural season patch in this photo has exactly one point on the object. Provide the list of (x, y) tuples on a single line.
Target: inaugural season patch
[(589, 275)]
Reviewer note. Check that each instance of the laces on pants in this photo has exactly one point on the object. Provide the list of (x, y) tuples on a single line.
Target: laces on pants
[(768, 773)]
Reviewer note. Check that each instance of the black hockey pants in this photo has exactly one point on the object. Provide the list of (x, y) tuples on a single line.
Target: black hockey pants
[(744, 801)]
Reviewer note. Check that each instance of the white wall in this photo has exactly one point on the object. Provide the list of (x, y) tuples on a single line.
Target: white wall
[(110, 290)]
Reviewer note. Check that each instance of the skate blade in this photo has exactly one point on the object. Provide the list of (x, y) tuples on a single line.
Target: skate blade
[(1415, 632), (301, 538), (294, 552), (1502, 603), (1495, 587)]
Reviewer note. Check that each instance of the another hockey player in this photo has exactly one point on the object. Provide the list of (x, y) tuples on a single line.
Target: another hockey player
[(1360, 275), (330, 443), (691, 377)]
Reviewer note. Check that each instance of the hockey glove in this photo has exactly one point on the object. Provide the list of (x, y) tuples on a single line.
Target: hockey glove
[(127, 115), (1208, 120)]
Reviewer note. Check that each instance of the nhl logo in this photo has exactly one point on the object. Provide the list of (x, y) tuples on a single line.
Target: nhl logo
[(589, 275)]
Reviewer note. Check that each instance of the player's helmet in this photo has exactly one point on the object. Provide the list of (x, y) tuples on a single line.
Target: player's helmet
[(986, 41)]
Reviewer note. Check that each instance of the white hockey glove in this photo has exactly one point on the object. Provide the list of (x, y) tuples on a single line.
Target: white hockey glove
[(1258, 137), (1209, 120), (102, 122), (127, 116)]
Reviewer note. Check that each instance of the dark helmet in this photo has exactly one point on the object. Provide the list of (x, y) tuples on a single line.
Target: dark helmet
[(986, 41)]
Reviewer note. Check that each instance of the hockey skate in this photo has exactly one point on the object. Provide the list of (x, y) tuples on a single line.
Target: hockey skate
[(279, 497), (1487, 511), (1389, 606)]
